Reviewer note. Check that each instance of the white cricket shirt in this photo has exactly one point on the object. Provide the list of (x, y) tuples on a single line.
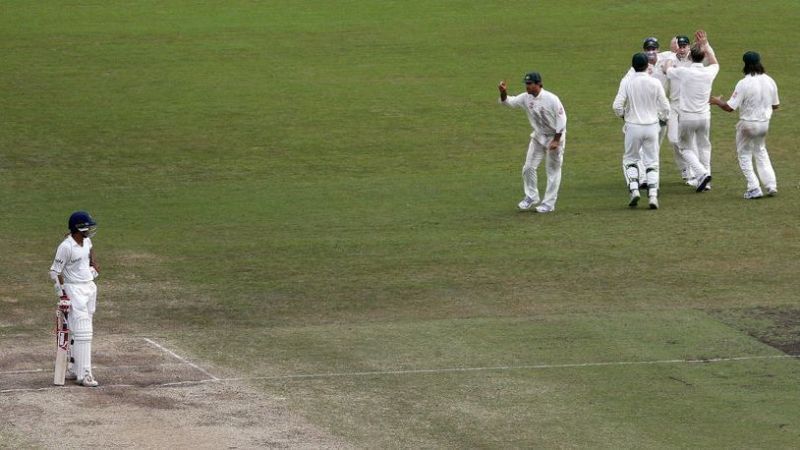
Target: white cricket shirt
[(641, 100), (754, 96), (674, 89), (694, 83), (545, 113), (72, 261)]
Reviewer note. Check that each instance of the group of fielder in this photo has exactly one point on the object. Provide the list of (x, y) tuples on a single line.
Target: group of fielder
[(663, 94)]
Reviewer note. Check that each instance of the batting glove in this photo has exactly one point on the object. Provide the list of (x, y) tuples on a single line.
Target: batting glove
[(63, 302)]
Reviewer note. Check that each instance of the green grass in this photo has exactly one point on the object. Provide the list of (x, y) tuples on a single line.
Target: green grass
[(331, 187)]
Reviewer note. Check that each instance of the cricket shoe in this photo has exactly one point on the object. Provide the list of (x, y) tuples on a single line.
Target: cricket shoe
[(702, 182), (772, 192), (70, 375), (544, 209), (753, 194), (634, 199), (526, 203), (88, 381), (653, 202)]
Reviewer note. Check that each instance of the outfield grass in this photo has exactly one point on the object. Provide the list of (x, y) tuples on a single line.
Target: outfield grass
[(330, 187)]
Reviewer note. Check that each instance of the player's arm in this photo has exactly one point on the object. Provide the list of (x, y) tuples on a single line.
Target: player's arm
[(93, 260), (663, 106), (721, 103), (503, 91), (561, 125), (619, 101), (59, 262), (702, 38), (776, 102), (62, 256)]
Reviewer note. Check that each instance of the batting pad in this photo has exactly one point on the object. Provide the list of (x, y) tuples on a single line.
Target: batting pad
[(82, 347)]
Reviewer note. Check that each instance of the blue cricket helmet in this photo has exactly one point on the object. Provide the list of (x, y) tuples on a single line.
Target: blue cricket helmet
[(83, 222)]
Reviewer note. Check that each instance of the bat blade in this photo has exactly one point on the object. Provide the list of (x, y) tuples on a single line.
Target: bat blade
[(62, 348)]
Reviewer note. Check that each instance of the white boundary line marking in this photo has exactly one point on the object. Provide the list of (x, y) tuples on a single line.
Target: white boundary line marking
[(214, 379), (183, 360)]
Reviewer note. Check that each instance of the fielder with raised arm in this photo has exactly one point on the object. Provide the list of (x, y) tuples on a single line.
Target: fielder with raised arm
[(694, 114), (73, 272), (549, 122)]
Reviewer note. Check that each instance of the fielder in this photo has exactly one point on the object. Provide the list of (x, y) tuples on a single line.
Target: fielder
[(642, 103), (694, 122), (73, 272), (549, 122), (756, 97), (679, 57), (655, 68)]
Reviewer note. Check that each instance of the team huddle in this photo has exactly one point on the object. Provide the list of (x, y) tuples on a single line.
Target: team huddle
[(664, 94)]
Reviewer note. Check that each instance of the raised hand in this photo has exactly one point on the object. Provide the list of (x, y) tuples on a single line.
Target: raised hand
[(502, 87)]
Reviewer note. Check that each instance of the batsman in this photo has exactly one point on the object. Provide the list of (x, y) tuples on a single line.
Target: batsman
[(73, 271)]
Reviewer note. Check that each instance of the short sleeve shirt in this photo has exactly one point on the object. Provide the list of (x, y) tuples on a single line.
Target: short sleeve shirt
[(754, 97), (545, 113), (72, 261)]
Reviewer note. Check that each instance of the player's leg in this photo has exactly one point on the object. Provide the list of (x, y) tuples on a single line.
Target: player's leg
[(687, 132), (744, 151), (762, 162), (529, 179), (704, 143), (554, 161), (82, 297), (673, 138), (631, 161), (642, 180), (650, 146)]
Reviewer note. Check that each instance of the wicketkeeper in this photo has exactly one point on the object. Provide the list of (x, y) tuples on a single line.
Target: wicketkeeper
[(73, 272)]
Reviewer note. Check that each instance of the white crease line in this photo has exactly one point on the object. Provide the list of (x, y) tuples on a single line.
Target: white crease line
[(505, 368), (143, 368), (415, 371), (176, 356), (15, 372)]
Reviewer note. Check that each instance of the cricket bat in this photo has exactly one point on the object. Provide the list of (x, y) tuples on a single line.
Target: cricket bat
[(62, 348)]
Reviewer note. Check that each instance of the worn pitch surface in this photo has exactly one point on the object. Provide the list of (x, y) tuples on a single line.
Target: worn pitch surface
[(149, 397)]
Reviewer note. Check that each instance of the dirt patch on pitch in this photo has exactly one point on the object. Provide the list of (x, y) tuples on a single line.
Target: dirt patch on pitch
[(778, 327), (136, 407), (209, 415)]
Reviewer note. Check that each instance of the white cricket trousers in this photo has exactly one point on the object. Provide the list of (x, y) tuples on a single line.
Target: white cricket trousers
[(695, 145), (83, 299), (553, 161), (673, 136), (662, 131), (751, 143), (644, 138)]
